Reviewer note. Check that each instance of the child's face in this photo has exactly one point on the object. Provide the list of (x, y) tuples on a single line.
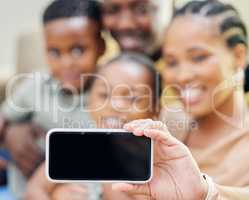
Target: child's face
[(73, 46), (122, 94)]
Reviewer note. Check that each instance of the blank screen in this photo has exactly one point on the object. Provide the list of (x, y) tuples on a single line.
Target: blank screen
[(99, 156)]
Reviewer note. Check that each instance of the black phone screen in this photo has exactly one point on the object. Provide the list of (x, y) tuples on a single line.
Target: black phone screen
[(116, 156)]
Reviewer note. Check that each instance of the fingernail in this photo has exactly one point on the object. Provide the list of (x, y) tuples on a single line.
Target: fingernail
[(140, 131), (127, 126)]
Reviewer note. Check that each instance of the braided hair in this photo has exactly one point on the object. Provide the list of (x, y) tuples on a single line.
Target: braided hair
[(231, 26)]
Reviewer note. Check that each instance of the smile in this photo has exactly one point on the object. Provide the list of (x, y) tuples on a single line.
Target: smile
[(192, 95)]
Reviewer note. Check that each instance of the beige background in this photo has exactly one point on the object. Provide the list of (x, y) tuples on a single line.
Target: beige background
[(16, 17)]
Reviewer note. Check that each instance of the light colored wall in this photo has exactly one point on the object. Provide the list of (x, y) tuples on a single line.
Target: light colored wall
[(16, 17), (242, 6)]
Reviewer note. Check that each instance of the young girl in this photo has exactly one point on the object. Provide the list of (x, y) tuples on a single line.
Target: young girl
[(205, 51), (124, 90)]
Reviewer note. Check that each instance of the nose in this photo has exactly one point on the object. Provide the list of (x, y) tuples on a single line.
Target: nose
[(66, 61), (185, 75), (126, 21), (119, 105)]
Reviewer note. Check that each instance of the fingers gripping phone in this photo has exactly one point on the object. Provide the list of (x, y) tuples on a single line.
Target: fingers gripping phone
[(98, 155)]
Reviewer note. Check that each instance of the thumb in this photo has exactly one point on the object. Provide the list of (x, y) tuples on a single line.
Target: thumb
[(132, 189)]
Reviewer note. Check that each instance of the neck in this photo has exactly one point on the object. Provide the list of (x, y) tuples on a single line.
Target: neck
[(228, 116)]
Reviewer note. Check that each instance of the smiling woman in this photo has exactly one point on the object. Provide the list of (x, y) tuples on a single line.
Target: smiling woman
[(205, 63), (205, 51)]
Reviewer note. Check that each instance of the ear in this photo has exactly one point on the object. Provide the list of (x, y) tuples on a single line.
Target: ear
[(240, 52)]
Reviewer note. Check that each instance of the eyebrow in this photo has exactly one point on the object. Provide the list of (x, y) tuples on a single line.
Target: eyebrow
[(195, 48)]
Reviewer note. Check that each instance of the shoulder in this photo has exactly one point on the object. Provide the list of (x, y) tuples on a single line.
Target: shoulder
[(28, 80), (25, 87)]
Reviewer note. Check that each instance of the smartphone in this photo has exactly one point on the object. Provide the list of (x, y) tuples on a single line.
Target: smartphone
[(98, 155)]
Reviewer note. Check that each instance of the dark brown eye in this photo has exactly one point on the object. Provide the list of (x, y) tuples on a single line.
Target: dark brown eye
[(111, 10), (171, 62), (200, 58), (53, 53), (142, 9), (131, 99)]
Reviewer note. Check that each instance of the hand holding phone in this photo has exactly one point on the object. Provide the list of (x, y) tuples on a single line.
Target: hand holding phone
[(176, 174)]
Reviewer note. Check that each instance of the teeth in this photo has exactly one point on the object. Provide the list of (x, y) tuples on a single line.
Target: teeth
[(191, 94)]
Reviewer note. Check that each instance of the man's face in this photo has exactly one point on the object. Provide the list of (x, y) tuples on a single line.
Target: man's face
[(130, 22)]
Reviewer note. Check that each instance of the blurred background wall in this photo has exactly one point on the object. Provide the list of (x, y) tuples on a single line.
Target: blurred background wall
[(20, 25), (16, 18)]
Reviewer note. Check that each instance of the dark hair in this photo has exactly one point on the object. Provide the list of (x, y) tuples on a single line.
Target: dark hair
[(231, 25), (72, 8), (145, 62)]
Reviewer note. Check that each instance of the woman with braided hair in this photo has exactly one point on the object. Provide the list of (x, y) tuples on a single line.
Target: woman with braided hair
[(205, 51)]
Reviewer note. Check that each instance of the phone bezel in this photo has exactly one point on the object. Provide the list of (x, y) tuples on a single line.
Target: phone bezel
[(67, 130)]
